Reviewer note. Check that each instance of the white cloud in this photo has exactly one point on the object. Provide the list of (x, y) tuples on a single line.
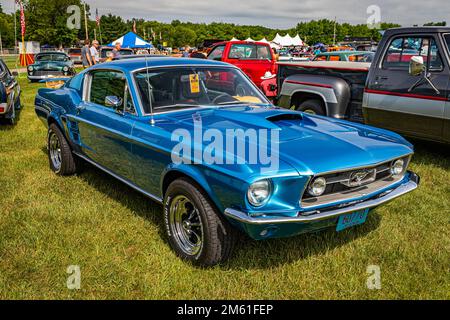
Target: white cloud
[(273, 13)]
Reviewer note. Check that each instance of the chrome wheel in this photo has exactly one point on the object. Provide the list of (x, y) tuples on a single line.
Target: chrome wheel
[(54, 149), (186, 226)]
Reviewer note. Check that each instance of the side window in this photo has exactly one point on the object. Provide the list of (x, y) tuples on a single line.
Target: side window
[(216, 53), (447, 40), (243, 51), (110, 83), (264, 53), (402, 49)]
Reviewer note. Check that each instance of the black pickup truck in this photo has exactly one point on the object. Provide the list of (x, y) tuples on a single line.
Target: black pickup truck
[(405, 89)]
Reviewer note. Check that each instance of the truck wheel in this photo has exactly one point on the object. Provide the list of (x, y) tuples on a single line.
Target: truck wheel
[(197, 232), (62, 160), (312, 107)]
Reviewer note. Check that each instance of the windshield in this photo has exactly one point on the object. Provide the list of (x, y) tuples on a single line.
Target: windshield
[(52, 57), (188, 87)]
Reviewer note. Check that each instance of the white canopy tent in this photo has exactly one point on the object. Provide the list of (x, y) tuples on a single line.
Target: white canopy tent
[(288, 41)]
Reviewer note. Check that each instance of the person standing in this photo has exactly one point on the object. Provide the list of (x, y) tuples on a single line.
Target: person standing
[(199, 53), (94, 52), (86, 57), (116, 51)]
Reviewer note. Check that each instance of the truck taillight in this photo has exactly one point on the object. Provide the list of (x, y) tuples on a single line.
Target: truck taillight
[(2, 107)]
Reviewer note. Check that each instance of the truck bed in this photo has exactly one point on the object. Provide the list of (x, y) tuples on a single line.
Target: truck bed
[(354, 73)]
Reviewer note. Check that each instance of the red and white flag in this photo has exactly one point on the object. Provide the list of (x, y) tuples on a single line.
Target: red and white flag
[(97, 18), (22, 17)]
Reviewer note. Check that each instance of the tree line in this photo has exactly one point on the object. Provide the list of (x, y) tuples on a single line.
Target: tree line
[(47, 24)]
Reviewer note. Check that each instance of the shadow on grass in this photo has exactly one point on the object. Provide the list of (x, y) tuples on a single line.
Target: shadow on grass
[(432, 153), (249, 254), (5, 125)]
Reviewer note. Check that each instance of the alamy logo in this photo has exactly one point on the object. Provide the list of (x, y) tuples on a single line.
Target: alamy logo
[(374, 18), (74, 20), (227, 147)]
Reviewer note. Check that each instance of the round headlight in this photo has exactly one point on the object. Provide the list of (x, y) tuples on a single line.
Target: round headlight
[(397, 167), (317, 187), (66, 68), (30, 68), (259, 193)]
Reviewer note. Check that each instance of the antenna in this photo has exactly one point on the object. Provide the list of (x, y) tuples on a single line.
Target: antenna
[(149, 91)]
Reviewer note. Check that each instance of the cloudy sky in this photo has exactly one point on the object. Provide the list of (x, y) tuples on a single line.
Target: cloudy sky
[(272, 13)]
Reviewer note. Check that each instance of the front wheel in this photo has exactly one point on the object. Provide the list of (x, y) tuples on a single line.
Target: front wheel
[(197, 232)]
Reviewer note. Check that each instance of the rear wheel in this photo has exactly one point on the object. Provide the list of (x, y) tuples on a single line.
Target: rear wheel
[(62, 160), (312, 106), (197, 232)]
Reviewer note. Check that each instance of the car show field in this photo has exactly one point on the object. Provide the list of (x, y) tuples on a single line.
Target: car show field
[(116, 236)]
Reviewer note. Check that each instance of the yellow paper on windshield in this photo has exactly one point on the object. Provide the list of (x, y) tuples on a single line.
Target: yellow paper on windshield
[(195, 83)]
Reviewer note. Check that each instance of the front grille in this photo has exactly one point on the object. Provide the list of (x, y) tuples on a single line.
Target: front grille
[(47, 73), (342, 186)]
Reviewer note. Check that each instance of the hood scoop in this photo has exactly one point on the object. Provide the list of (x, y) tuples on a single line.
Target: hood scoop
[(285, 117)]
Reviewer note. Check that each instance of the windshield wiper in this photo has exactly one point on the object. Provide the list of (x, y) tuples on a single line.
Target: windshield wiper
[(179, 105), (232, 102)]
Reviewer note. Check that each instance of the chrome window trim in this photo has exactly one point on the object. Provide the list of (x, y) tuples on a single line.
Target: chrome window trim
[(409, 35), (87, 83), (133, 73)]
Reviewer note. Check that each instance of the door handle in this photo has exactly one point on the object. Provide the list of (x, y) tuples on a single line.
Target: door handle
[(79, 109)]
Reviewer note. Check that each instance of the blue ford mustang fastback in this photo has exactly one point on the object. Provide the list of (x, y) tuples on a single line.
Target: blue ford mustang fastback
[(198, 137)]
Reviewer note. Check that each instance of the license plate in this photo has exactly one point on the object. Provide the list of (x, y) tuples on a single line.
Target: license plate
[(352, 219)]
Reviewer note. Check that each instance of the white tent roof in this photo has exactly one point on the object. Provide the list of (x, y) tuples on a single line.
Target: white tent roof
[(250, 40), (234, 39), (288, 41)]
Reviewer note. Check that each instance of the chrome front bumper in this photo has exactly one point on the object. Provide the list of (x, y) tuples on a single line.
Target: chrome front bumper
[(385, 197)]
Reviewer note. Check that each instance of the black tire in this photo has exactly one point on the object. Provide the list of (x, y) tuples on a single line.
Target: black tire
[(12, 117), (218, 236), (312, 106), (68, 164)]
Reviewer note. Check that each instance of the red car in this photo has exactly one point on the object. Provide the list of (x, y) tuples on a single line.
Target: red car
[(254, 58)]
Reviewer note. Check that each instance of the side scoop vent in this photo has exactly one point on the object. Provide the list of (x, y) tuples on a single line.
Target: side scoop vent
[(285, 117)]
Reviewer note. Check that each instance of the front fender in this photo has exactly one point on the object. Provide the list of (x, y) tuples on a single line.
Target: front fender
[(222, 190)]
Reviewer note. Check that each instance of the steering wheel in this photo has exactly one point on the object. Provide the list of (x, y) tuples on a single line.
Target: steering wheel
[(223, 95)]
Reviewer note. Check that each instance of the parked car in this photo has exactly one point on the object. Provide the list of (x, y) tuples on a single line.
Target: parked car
[(405, 89), (126, 118), (75, 55), (51, 65), (105, 50), (352, 56), (9, 94), (254, 58)]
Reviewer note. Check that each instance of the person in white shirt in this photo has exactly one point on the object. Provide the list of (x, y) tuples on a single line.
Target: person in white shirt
[(94, 52)]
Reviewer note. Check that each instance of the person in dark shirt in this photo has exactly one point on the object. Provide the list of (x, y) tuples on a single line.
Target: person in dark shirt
[(199, 53)]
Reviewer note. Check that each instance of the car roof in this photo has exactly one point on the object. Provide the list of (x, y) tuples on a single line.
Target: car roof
[(394, 31), (140, 63), (240, 42), (52, 52)]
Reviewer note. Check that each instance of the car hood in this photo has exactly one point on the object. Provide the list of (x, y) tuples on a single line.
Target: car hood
[(50, 65), (310, 144)]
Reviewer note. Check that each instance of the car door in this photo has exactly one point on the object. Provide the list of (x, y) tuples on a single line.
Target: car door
[(105, 130), (11, 85), (405, 103), (244, 56), (446, 133)]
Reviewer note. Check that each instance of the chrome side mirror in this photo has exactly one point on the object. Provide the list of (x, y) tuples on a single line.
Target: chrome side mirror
[(416, 66), (113, 102)]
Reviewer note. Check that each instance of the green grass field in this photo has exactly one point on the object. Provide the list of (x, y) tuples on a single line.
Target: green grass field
[(116, 236), (11, 61)]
